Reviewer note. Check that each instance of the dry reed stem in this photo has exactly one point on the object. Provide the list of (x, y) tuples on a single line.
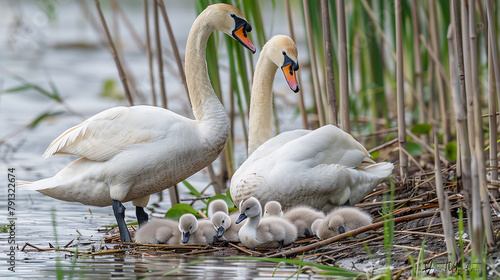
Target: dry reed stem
[(492, 105), (382, 34), (129, 24), (159, 57), (493, 45), (314, 67), (175, 49), (149, 52), (486, 224), (403, 158), (441, 91), (419, 73), (459, 102), (114, 53), (329, 75), (469, 93), (343, 67), (444, 208), (302, 107)]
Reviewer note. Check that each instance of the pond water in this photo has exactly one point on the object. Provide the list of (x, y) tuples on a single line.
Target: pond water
[(56, 45)]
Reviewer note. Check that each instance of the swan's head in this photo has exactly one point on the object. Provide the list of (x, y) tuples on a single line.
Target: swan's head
[(249, 208), (231, 21), (221, 222), (282, 50), (187, 225), (273, 208)]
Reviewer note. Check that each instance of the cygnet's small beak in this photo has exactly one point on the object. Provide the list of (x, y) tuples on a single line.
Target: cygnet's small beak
[(220, 231), (241, 218)]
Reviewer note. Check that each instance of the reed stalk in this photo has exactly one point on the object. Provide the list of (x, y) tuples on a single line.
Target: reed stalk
[(493, 45), (149, 52), (314, 67), (159, 57), (496, 71), (302, 107), (329, 73), (419, 81), (403, 158), (469, 93), (492, 106), (343, 68), (486, 224), (129, 24), (444, 203), (459, 102), (175, 49), (433, 29), (455, 94), (114, 53)]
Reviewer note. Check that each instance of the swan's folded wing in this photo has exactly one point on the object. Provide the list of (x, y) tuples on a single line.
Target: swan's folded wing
[(328, 145), (278, 141), (108, 133)]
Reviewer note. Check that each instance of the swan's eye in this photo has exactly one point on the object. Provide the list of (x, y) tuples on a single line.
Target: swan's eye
[(233, 15), (284, 53)]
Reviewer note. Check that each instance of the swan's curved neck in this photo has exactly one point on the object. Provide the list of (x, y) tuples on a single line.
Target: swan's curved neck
[(253, 222), (207, 108), (260, 120)]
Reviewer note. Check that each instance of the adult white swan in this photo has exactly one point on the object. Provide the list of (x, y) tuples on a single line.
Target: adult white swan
[(128, 153), (322, 169)]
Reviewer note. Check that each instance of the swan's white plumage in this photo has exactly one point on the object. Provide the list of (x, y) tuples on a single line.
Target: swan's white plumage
[(128, 153), (321, 168)]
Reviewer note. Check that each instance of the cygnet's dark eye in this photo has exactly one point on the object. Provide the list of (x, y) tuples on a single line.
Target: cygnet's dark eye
[(233, 15), (284, 53)]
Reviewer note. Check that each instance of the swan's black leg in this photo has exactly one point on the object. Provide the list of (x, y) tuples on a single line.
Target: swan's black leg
[(347, 203), (119, 211), (142, 216), (281, 244), (307, 233)]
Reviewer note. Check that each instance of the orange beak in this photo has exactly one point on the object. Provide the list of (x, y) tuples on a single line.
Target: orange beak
[(241, 35), (291, 77)]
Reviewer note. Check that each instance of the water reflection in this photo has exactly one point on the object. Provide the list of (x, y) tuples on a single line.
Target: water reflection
[(162, 267)]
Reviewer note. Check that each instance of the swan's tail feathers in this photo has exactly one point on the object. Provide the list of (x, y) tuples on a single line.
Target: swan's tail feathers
[(35, 186), (381, 169)]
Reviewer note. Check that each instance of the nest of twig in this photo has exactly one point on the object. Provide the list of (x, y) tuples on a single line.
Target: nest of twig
[(416, 217)]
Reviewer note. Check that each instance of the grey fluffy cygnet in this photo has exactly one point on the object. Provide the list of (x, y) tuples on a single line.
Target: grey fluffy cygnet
[(339, 221), (273, 209), (303, 217), (226, 226), (271, 232), (159, 231), (196, 231), (216, 206)]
